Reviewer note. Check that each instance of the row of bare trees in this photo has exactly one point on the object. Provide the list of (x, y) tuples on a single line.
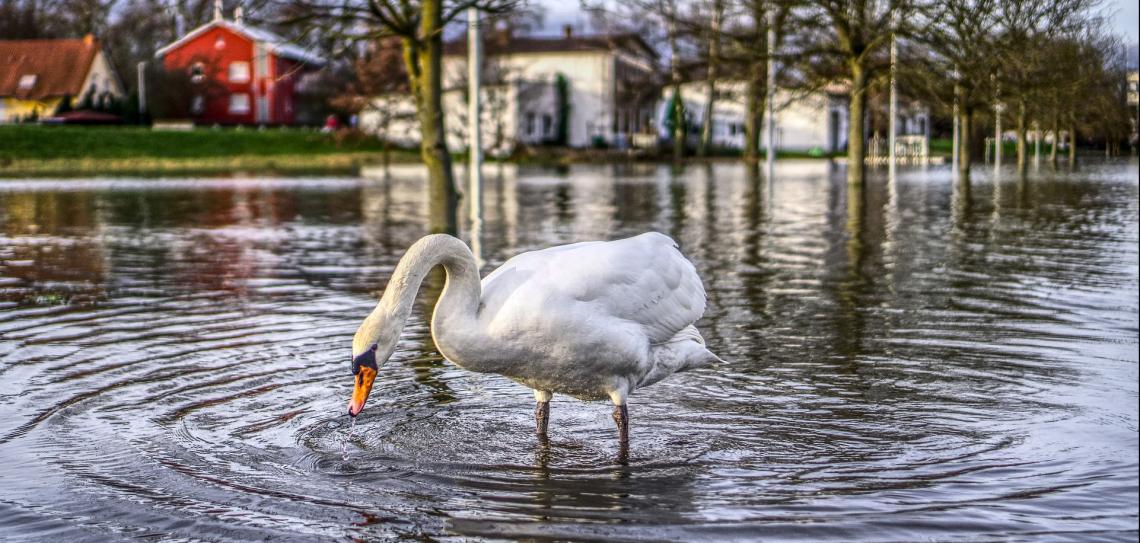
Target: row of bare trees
[(1044, 64), (1036, 64)]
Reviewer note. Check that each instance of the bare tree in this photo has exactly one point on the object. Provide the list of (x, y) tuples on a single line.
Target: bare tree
[(1025, 27), (712, 59), (847, 38), (747, 54), (959, 33), (419, 25)]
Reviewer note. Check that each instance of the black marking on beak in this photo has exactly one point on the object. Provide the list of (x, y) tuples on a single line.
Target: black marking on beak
[(366, 359)]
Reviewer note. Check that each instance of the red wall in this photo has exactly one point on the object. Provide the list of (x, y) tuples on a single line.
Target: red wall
[(216, 91)]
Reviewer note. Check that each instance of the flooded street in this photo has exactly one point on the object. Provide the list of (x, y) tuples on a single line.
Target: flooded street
[(918, 361)]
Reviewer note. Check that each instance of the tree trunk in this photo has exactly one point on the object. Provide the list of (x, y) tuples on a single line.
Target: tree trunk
[(1022, 151), (855, 148), (422, 59), (714, 55), (965, 130), (1056, 141), (1072, 148), (755, 102)]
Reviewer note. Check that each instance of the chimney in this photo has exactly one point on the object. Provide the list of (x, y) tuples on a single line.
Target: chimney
[(89, 40), (238, 15), (503, 36), (567, 31), (217, 10)]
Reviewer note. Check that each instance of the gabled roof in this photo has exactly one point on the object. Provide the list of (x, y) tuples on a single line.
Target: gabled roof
[(276, 44), (500, 43), (53, 67)]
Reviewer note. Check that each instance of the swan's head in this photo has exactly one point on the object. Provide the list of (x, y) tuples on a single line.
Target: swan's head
[(373, 344)]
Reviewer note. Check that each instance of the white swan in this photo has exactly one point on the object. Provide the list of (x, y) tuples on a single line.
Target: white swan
[(591, 320)]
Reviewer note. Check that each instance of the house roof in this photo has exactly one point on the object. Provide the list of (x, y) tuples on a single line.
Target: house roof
[(47, 68), (276, 44), (503, 43)]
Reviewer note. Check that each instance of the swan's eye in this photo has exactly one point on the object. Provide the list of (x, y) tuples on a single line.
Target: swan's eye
[(366, 359)]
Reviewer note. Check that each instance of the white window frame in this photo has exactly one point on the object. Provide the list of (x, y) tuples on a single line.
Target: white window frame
[(240, 107), (197, 72), (235, 73)]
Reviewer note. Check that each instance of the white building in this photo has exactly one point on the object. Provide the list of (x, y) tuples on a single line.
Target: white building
[(813, 122), (609, 82)]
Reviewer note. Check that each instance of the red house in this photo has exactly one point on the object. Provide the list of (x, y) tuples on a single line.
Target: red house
[(241, 74)]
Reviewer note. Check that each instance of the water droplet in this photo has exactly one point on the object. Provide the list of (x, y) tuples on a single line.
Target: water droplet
[(344, 447)]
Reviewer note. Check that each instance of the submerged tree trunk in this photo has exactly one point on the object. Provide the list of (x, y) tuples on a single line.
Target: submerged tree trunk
[(855, 148), (1022, 150), (754, 103), (965, 129), (423, 61), (714, 56)]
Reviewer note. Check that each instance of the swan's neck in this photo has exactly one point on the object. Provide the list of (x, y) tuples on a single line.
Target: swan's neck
[(456, 312)]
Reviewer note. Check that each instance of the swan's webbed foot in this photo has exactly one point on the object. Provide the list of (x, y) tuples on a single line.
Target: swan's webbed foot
[(621, 417), (541, 417)]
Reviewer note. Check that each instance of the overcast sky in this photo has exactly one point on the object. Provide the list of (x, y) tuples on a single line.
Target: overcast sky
[(1123, 17)]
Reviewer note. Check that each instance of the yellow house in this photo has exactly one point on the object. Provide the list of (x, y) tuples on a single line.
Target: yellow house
[(36, 75)]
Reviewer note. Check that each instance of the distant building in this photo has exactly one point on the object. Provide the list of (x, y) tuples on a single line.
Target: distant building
[(608, 79), (242, 74), (37, 75), (812, 122)]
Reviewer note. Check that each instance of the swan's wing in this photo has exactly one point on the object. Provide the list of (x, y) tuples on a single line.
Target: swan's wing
[(643, 280)]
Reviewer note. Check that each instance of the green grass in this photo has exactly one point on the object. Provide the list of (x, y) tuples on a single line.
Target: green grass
[(91, 150), (97, 142)]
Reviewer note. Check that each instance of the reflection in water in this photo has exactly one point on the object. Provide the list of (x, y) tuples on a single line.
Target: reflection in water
[(914, 360)]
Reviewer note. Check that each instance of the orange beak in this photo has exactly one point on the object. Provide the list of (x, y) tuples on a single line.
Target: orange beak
[(363, 385)]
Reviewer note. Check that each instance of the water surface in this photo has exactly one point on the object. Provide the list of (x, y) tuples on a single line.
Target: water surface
[(913, 361)]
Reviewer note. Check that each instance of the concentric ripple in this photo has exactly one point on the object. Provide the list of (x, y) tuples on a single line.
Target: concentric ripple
[(917, 360)]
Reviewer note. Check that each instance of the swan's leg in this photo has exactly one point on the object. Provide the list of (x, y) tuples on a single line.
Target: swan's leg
[(542, 411), (621, 417)]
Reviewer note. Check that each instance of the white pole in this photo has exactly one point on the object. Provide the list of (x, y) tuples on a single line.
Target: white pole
[(998, 108), (997, 136), (770, 154), (142, 88), (894, 106), (954, 140), (954, 150), (474, 61)]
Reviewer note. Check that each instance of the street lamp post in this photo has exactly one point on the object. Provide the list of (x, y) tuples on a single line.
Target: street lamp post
[(474, 60), (770, 155), (894, 106), (954, 136)]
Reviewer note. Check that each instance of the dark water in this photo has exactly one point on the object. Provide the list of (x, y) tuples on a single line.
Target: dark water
[(914, 362)]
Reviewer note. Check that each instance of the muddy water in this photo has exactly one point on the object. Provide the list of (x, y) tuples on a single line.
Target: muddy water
[(914, 361)]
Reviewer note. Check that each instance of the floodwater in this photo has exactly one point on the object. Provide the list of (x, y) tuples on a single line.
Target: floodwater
[(914, 362)]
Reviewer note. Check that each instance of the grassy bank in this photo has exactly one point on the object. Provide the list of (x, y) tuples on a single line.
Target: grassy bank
[(40, 151), (72, 150)]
